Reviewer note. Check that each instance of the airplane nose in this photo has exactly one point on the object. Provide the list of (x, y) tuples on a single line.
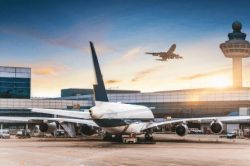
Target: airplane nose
[(94, 114)]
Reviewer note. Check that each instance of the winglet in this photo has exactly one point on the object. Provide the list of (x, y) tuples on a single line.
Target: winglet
[(99, 87)]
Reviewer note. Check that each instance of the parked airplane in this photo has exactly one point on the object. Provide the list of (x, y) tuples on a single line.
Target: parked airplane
[(127, 119), (166, 55)]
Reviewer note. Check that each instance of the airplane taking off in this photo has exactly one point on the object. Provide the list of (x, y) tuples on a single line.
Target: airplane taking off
[(118, 119), (166, 55)]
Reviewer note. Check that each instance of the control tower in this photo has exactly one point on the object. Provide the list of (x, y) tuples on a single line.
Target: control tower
[(236, 48)]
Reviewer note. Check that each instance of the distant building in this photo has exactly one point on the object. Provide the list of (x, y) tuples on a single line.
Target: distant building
[(79, 92), (15, 82)]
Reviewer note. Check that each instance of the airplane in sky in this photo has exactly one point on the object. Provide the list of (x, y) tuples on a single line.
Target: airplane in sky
[(166, 55), (118, 119)]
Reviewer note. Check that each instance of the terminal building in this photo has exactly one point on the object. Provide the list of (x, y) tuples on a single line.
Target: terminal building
[(184, 103), (15, 90), (15, 82), (80, 92)]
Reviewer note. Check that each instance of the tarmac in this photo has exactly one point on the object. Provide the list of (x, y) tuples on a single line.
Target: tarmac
[(169, 150)]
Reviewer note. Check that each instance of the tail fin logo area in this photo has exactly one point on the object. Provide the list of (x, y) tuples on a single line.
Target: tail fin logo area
[(99, 87)]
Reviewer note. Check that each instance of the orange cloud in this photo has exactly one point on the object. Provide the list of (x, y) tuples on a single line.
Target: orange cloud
[(127, 57), (145, 73), (112, 81), (201, 75), (45, 71), (131, 54)]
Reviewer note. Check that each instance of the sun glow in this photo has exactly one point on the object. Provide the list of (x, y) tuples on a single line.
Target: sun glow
[(220, 82)]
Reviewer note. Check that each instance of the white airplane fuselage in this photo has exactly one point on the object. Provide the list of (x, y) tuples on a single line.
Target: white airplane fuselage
[(118, 118), (171, 49)]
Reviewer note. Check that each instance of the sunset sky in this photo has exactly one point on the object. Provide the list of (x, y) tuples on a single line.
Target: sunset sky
[(52, 37)]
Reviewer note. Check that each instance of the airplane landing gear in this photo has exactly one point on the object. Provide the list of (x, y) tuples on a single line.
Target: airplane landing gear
[(112, 138), (149, 138), (107, 137), (131, 139)]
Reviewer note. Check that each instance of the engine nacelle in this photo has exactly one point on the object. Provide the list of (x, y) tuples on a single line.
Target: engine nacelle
[(87, 130), (181, 130), (216, 127), (48, 127)]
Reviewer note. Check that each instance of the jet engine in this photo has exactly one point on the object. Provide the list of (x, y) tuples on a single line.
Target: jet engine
[(48, 127), (216, 127), (181, 130), (88, 130)]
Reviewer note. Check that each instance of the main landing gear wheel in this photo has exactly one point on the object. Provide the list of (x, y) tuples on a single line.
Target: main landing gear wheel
[(117, 138), (107, 137), (149, 138)]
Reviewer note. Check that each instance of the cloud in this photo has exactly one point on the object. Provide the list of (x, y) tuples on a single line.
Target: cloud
[(45, 71), (112, 81), (131, 54), (99, 47), (127, 57), (74, 37), (142, 74), (201, 75)]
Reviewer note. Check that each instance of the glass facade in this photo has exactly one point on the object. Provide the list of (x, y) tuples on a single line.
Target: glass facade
[(186, 103), (15, 85), (76, 92), (175, 104), (20, 107), (15, 82), (190, 103)]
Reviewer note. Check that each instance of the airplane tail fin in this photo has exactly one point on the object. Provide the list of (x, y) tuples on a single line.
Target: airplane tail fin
[(99, 87)]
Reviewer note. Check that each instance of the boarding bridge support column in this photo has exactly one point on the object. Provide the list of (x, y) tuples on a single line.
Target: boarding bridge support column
[(26, 126)]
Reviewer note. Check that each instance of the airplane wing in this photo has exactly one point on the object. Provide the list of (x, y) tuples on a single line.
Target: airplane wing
[(73, 114), (176, 56), (77, 121), (153, 53), (66, 123), (161, 59), (165, 55), (227, 119), (11, 119), (170, 56), (162, 55)]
